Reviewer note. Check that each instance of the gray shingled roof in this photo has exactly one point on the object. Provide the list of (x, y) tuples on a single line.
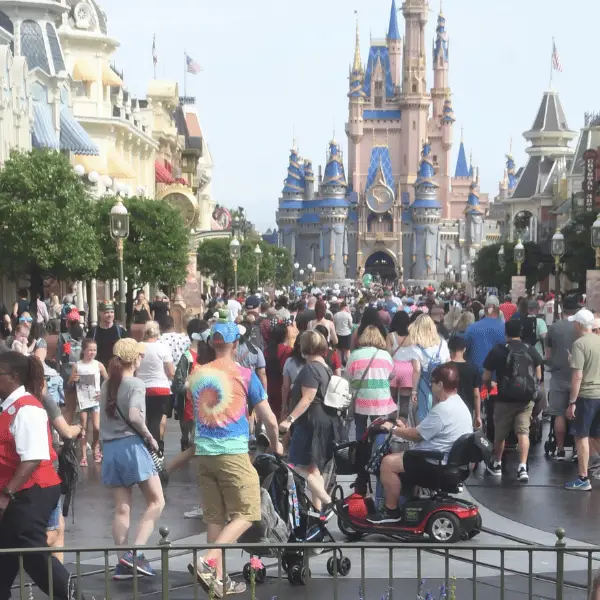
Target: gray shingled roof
[(527, 184), (550, 116)]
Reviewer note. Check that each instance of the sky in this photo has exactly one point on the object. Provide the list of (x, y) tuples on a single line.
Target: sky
[(275, 69)]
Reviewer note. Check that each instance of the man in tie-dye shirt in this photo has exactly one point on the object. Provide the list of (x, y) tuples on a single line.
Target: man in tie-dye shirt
[(222, 392)]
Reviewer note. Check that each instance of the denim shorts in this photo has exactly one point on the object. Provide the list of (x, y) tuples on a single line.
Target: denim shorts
[(126, 462), (54, 520), (587, 417)]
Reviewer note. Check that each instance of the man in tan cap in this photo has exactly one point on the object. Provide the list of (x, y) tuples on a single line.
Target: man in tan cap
[(107, 332)]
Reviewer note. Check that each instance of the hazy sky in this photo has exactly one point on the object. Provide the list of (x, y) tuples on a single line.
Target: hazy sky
[(272, 67)]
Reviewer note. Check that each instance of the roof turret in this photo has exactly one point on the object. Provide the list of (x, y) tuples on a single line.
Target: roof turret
[(473, 202), (511, 171), (462, 168), (393, 29), (335, 176), (357, 72), (425, 186), (440, 47), (448, 112), (293, 185)]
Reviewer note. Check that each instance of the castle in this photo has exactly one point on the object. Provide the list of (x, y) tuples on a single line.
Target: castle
[(399, 213)]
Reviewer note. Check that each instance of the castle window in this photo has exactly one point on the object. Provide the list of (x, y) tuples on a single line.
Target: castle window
[(414, 125), (435, 159), (441, 61), (378, 102), (405, 160), (57, 57), (414, 88), (32, 46), (379, 87)]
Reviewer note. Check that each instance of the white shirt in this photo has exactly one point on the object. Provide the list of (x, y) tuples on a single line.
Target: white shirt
[(29, 428), (233, 309), (343, 322), (152, 368)]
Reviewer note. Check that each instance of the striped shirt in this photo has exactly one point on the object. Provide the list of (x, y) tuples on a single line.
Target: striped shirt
[(374, 397)]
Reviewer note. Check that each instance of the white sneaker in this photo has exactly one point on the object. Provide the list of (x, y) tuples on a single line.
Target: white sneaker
[(195, 513)]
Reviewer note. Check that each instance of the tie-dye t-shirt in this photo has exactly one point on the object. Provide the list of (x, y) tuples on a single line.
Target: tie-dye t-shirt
[(222, 390)]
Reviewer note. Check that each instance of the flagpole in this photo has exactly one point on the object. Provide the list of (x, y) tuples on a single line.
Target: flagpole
[(551, 64), (184, 74)]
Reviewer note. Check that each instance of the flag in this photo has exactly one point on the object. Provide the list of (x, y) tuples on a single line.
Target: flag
[(154, 54), (556, 64), (192, 66)]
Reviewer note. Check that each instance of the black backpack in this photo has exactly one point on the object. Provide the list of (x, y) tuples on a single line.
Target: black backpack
[(529, 332), (518, 383), (254, 338)]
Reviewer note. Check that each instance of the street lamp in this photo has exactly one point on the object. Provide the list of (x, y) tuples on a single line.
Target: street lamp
[(258, 254), (501, 258), (119, 231), (596, 240), (313, 270), (234, 254), (301, 271), (519, 256), (557, 248)]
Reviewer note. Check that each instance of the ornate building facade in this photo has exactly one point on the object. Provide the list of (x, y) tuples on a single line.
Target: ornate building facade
[(401, 212)]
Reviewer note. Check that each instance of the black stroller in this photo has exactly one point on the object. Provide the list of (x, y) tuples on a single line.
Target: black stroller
[(288, 516)]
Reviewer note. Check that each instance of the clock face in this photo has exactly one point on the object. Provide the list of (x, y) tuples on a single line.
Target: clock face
[(380, 198), (185, 206), (82, 15)]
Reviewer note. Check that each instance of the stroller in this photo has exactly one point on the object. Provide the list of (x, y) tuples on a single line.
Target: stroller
[(288, 516)]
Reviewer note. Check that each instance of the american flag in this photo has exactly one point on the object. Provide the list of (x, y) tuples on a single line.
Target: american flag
[(154, 54), (192, 66), (556, 64)]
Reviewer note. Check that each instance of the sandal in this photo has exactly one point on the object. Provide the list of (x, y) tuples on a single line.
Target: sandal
[(98, 456), (83, 462)]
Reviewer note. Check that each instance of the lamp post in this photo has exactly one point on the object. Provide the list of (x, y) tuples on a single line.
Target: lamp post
[(296, 267), (234, 253), (557, 248), (119, 231), (501, 258), (596, 240), (258, 254), (519, 256)]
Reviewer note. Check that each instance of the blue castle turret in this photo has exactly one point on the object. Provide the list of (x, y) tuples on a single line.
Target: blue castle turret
[(462, 167), (511, 169), (293, 184), (448, 115), (334, 181), (426, 213)]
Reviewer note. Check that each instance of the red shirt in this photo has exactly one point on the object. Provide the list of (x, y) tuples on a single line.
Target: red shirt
[(22, 439), (333, 360), (508, 309)]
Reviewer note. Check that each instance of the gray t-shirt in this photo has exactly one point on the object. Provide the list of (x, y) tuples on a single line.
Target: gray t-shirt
[(248, 359), (444, 424), (53, 411), (292, 367), (131, 394), (343, 323), (560, 339), (585, 357)]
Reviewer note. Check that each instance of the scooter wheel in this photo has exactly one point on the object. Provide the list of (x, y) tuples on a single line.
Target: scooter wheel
[(331, 565), (348, 531), (304, 575), (246, 572), (444, 528), (261, 575), (344, 566), (285, 564)]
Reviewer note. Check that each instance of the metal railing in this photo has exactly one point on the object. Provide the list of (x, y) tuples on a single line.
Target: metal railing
[(466, 570)]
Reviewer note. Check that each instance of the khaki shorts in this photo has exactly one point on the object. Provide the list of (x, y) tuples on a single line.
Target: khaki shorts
[(509, 416), (230, 488)]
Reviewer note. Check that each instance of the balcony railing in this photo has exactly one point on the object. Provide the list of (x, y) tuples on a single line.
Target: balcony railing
[(395, 569), (379, 236)]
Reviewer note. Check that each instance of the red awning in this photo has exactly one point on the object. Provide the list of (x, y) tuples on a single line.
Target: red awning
[(162, 174)]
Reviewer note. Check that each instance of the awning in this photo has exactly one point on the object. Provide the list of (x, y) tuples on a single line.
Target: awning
[(109, 77), (73, 137), (43, 134), (90, 163), (162, 174), (118, 167), (85, 70)]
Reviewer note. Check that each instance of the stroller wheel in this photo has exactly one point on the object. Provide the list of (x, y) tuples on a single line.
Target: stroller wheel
[(299, 575), (344, 565), (261, 575), (246, 572), (331, 565)]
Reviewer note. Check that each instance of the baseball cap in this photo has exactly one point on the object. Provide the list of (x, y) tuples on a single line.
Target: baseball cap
[(106, 306), (252, 302), (584, 317), (492, 301), (228, 330)]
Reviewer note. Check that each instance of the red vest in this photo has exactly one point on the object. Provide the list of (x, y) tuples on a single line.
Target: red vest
[(44, 475)]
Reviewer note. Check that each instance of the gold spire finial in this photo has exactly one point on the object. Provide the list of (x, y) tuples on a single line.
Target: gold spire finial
[(441, 8), (357, 66)]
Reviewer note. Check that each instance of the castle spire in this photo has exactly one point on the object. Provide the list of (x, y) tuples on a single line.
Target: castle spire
[(335, 177), (462, 168), (357, 73), (448, 111), (393, 29), (357, 65), (293, 184), (440, 48), (511, 169), (425, 185), (473, 202)]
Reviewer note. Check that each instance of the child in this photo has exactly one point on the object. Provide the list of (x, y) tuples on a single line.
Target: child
[(86, 375), (469, 378), (20, 343)]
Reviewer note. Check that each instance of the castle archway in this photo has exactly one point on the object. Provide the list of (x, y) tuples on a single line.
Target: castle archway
[(381, 266)]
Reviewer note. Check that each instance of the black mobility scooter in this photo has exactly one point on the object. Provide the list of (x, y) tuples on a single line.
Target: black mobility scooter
[(434, 512)]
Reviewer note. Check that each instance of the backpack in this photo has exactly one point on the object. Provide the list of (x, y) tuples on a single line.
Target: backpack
[(74, 349), (529, 333), (255, 338), (434, 362), (338, 394), (518, 383)]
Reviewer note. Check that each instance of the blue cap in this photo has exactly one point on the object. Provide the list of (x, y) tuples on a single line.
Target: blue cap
[(228, 330)]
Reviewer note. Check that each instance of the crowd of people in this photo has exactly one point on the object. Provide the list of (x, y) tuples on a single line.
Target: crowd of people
[(255, 372)]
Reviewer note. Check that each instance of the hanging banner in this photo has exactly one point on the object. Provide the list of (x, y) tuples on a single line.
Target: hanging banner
[(590, 160)]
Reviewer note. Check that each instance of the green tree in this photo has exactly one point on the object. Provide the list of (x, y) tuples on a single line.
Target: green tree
[(214, 261), (487, 271), (156, 251), (579, 254), (46, 218)]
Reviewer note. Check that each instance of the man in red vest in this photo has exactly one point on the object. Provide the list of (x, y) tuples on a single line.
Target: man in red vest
[(29, 485)]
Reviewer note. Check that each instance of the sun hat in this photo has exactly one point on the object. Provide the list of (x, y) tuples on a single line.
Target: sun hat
[(128, 349)]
